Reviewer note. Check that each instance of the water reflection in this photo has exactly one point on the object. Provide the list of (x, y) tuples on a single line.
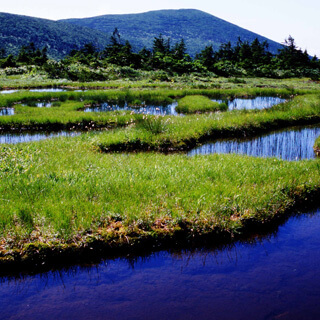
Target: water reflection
[(48, 90), (43, 104), (6, 111), (8, 91), (289, 144), (169, 109), (12, 138), (252, 103), (278, 274)]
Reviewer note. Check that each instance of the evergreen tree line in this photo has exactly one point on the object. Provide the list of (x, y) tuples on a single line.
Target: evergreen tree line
[(243, 59)]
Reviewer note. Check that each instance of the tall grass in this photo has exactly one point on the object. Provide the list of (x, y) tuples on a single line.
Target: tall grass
[(185, 132), (199, 104), (63, 191), (317, 146)]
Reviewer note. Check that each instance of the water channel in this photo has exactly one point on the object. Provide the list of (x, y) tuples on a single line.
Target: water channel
[(13, 138), (158, 110), (275, 276), (289, 144), (252, 103), (170, 109), (6, 111)]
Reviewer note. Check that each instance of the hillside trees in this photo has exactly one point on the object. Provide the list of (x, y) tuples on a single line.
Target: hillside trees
[(242, 59)]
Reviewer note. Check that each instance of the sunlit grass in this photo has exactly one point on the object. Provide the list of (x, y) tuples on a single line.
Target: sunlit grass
[(185, 132), (63, 190), (199, 104)]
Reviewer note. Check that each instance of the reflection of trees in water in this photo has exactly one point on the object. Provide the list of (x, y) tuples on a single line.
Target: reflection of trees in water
[(6, 111), (288, 144)]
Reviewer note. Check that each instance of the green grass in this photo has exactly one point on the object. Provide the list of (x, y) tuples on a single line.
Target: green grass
[(68, 114), (62, 191), (317, 146), (199, 104), (67, 192), (35, 79), (185, 132)]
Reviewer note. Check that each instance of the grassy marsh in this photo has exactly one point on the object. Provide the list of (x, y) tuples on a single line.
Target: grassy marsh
[(317, 146), (64, 192), (183, 133), (66, 111)]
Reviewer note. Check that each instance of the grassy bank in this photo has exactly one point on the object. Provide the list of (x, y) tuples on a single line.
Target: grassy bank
[(34, 80), (62, 193), (199, 104), (68, 106), (61, 117), (317, 146), (182, 133)]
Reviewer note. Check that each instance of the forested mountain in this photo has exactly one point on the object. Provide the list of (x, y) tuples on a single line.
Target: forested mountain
[(196, 27), (59, 37)]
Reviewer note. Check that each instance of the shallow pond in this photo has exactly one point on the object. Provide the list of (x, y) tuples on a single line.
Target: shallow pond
[(6, 111), (34, 90), (252, 103), (8, 91), (13, 138), (289, 144), (48, 90), (169, 109), (274, 277)]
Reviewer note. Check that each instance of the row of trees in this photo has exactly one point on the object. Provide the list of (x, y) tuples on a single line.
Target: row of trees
[(250, 59)]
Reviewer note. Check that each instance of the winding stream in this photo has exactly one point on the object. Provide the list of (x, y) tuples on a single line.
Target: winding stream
[(274, 277), (14, 138), (158, 110), (289, 144), (253, 103)]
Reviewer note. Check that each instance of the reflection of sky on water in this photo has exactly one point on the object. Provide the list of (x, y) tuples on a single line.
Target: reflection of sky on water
[(6, 111), (145, 109), (27, 137), (254, 103), (290, 144)]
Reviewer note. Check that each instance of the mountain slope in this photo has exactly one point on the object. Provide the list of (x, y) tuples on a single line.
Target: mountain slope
[(59, 37), (196, 27)]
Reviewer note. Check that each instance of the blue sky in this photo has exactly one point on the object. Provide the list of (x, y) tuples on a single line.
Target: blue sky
[(274, 19)]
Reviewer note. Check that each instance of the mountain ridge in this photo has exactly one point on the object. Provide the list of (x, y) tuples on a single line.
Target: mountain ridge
[(197, 28)]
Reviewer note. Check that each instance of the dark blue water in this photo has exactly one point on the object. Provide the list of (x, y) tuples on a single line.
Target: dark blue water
[(13, 138), (145, 109), (252, 103), (6, 111), (276, 277), (289, 144)]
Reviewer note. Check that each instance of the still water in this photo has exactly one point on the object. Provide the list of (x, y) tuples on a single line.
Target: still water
[(6, 111), (34, 90), (165, 110), (289, 144), (274, 277), (13, 138), (253, 103), (48, 90)]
